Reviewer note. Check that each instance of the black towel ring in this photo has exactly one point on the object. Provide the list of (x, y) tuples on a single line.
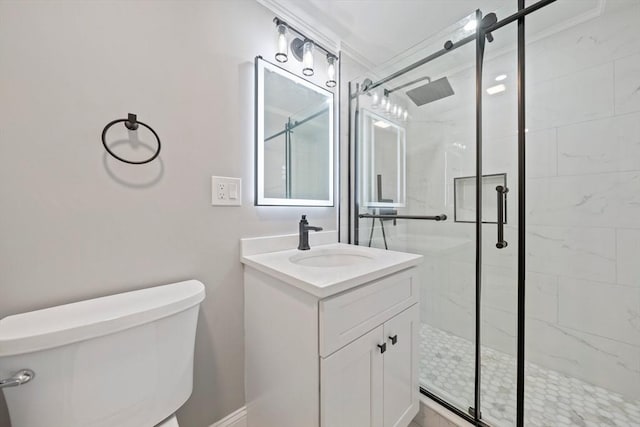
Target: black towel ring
[(131, 123)]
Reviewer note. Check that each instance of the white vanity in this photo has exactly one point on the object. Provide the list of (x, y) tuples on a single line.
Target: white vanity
[(331, 335)]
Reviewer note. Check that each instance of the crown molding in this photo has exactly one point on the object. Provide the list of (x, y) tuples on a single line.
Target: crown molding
[(352, 53)]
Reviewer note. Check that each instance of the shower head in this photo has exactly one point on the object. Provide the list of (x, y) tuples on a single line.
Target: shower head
[(431, 91)]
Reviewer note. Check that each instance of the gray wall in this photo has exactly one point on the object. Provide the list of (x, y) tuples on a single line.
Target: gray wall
[(76, 224)]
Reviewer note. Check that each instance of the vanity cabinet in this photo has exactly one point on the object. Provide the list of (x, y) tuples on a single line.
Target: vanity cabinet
[(348, 359), (367, 383)]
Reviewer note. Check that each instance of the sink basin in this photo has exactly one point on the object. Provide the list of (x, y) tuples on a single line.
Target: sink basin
[(330, 258)]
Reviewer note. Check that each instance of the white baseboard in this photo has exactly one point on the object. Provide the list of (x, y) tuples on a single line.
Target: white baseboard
[(235, 419)]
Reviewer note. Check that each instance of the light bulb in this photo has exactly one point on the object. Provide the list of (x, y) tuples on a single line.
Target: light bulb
[(375, 99), (387, 107), (471, 25), (307, 58), (405, 115), (399, 112), (383, 102), (283, 50), (331, 71)]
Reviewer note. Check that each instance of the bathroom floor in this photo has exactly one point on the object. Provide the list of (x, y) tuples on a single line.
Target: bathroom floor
[(553, 399)]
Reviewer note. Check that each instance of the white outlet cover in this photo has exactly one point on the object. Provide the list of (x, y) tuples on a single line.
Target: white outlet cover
[(220, 186)]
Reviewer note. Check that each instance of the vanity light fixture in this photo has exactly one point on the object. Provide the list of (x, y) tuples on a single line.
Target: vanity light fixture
[(283, 46), (331, 71), (307, 58), (382, 124), (496, 89), (375, 99), (302, 48)]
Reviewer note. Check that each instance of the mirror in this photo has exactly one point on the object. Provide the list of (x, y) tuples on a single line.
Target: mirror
[(294, 139), (383, 168)]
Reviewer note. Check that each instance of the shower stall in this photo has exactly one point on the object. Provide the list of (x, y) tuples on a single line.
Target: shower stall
[(506, 150)]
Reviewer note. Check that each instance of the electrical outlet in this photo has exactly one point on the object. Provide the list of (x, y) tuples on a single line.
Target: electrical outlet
[(226, 191)]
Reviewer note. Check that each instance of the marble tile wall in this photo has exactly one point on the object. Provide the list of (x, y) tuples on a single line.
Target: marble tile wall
[(583, 204)]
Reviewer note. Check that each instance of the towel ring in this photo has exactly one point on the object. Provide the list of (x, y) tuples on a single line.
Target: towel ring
[(131, 123)]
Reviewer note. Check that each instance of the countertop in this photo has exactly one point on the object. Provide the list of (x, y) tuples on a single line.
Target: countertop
[(324, 282)]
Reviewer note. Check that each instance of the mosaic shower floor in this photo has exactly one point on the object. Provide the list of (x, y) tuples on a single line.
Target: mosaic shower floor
[(552, 399)]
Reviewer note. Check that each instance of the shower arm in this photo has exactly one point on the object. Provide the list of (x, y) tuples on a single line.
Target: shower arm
[(389, 91), (488, 24)]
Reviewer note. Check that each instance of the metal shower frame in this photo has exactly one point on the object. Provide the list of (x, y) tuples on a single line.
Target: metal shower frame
[(487, 24)]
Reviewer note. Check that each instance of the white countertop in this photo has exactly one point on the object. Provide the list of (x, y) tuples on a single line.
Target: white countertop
[(326, 281)]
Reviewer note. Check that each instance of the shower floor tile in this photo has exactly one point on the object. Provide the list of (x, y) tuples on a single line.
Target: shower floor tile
[(552, 399)]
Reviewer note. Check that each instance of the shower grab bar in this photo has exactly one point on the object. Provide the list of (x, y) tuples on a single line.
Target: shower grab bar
[(501, 192), (441, 217)]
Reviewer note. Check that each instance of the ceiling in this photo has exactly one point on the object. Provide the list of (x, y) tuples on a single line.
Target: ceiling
[(375, 31)]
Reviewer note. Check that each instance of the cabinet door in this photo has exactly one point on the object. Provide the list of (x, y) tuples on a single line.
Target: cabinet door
[(401, 402), (351, 386)]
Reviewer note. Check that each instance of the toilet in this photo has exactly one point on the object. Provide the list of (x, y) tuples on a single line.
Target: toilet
[(124, 360)]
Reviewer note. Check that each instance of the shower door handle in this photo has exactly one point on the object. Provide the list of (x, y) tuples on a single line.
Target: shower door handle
[(502, 196)]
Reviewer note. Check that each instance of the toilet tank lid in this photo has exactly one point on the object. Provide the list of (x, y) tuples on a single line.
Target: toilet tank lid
[(69, 323)]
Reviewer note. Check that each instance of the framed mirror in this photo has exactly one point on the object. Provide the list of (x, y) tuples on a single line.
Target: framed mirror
[(383, 169), (294, 139)]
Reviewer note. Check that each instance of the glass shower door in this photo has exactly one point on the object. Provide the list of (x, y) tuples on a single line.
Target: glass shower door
[(500, 234), (415, 160)]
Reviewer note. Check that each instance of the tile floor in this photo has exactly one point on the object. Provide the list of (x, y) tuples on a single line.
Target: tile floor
[(552, 400)]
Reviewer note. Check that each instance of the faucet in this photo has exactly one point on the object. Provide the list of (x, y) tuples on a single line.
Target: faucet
[(304, 226)]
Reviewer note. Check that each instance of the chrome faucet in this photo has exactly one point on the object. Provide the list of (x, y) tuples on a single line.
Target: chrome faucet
[(303, 243)]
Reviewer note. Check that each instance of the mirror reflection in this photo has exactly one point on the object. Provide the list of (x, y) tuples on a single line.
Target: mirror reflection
[(383, 169), (294, 139)]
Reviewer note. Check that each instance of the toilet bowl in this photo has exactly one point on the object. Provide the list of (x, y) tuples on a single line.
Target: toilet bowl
[(124, 360)]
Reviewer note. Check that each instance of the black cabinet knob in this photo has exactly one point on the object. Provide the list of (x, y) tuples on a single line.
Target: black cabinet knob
[(394, 339), (382, 347)]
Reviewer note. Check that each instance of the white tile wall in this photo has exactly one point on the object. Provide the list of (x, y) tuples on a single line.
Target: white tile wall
[(608, 363), (583, 201), (598, 200), (542, 153), (500, 291), (572, 200), (628, 263), (627, 91), (564, 100), (607, 145), (584, 253), (604, 309)]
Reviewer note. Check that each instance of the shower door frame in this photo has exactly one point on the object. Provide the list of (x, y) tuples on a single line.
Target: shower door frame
[(474, 415)]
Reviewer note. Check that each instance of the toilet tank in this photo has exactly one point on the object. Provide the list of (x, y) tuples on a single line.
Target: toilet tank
[(124, 360)]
